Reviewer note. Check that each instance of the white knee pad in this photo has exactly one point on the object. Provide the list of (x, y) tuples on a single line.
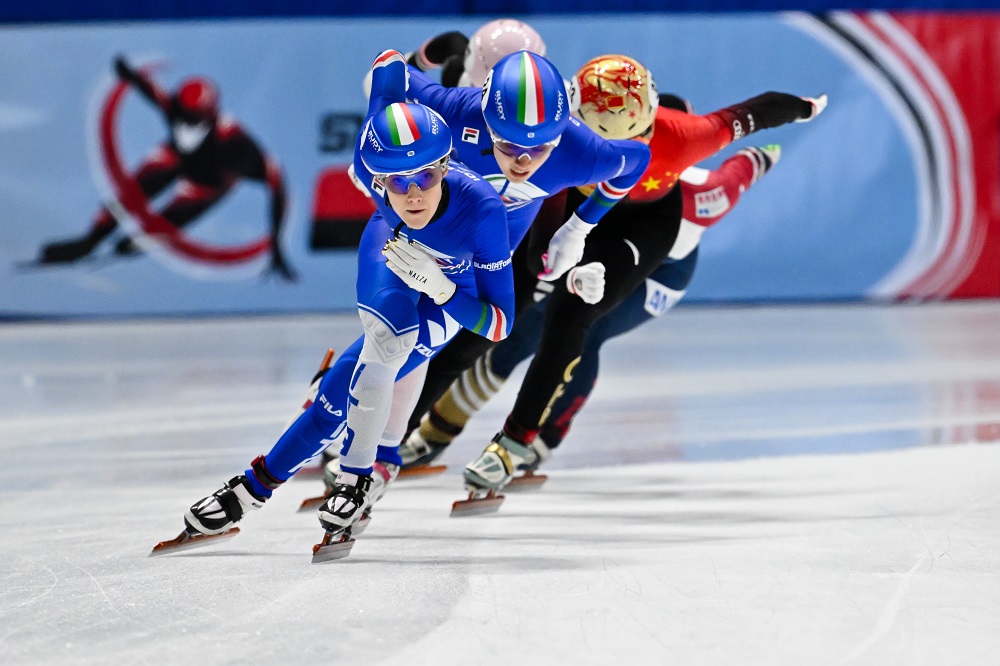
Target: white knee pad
[(382, 345)]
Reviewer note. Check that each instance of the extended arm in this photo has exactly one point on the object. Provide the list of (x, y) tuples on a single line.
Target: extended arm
[(437, 50), (685, 139), (772, 109), (250, 162), (143, 84), (389, 81), (276, 185)]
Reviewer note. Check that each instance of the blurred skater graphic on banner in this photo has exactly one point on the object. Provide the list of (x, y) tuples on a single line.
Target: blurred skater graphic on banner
[(205, 156)]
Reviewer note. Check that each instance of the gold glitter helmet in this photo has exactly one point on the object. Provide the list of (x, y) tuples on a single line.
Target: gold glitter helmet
[(615, 96)]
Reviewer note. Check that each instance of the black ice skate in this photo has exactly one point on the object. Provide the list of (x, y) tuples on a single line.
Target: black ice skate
[(344, 507), (383, 475), (213, 518), (64, 252), (127, 247)]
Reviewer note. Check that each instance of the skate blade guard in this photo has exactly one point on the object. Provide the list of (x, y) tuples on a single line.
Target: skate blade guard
[(526, 482), (187, 541), (477, 504), (334, 546), (421, 470)]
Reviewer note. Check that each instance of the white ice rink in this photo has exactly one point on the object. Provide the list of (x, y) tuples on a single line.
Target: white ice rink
[(802, 486)]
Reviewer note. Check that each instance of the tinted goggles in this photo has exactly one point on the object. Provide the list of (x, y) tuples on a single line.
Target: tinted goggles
[(516, 150), (424, 178)]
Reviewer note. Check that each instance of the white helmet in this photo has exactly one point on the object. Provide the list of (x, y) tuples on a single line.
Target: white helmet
[(492, 42)]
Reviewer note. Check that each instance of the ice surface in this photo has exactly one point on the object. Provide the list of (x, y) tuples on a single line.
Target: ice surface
[(673, 527)]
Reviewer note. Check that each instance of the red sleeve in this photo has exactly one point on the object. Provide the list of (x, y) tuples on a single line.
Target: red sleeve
[(679, 140)]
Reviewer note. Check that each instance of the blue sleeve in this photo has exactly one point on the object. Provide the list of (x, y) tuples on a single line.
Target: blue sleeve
[(388, 87), (388, 81), (619, 166), (449, 102), (490, 313)]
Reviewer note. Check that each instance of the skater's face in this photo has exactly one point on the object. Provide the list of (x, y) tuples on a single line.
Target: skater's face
[(415, 206), (188, 136), (518, 163)]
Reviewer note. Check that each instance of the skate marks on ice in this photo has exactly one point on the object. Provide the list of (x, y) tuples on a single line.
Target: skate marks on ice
[(813, 547), (886, 557)]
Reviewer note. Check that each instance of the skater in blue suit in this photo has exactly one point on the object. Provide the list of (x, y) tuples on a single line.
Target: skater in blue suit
[(434, 258)]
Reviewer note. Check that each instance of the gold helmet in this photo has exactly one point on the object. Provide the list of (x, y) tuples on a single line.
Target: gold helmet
[(615, 96)]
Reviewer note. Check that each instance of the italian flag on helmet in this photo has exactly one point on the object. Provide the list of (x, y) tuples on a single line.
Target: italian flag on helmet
[(531, 103), (402, 127)]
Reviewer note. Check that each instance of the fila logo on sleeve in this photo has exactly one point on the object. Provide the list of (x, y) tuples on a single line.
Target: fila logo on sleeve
[(470, 135)]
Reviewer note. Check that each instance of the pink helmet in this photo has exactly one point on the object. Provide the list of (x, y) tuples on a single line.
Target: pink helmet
[(492, 42)]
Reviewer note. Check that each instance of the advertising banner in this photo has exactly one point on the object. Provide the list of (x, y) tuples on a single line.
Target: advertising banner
[(891, 194)]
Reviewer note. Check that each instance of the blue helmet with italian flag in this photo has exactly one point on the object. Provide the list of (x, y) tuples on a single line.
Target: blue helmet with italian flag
[(404, 137), (524, 100)]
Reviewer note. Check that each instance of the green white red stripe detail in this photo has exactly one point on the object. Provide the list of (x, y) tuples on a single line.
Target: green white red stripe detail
[(493, 321), (531, 102), (402, 126)]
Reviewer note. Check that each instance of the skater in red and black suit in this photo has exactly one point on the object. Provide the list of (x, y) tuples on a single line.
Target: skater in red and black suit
[(206, 155)]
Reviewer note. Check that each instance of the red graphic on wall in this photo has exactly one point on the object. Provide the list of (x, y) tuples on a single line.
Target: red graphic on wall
[(206, 155), (340, 211), (965, 49)]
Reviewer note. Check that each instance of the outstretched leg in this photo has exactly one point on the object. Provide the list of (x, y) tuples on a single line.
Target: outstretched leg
[(156, 172)]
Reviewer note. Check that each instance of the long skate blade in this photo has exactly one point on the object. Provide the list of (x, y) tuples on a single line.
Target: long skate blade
[(526, 482), (421, 470), (311, 504), (332, 548), (187, 541), (477, 506)]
